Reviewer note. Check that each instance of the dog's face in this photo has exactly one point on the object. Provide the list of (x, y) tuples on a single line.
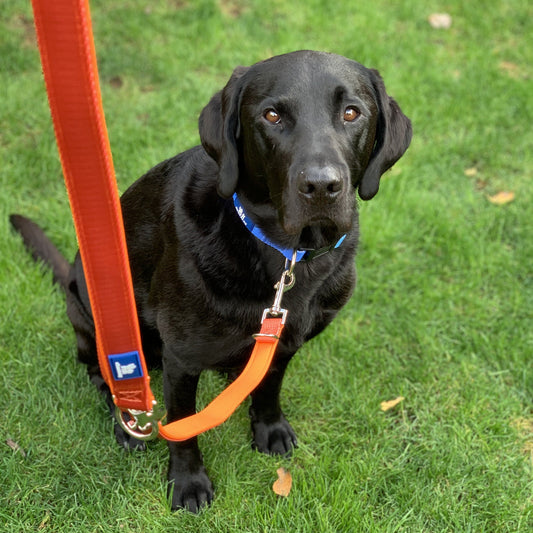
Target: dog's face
[(302, 132)]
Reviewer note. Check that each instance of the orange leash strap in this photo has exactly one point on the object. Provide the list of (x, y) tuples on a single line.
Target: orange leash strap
[(68, 58), (266, 342), (69, 64), (229, 399)]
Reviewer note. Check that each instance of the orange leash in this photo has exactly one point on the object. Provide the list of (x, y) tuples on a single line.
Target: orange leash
[(68, 59), (266, 342), (229, 399), (69, 64)]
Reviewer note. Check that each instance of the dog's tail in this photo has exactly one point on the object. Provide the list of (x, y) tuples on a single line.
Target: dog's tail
[(42, 248)]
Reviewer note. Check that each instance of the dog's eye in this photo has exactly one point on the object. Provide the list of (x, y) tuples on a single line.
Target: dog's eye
[(272, 116), (351, 113)]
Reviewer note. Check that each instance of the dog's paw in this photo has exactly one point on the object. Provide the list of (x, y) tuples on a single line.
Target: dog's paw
[(127, 441), (276, 438), (191, 492)]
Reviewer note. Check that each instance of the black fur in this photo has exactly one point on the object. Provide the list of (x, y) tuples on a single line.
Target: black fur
[(201, 279)]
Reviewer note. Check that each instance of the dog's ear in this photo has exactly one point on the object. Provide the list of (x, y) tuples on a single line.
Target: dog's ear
[(219, 127), (393, 136)]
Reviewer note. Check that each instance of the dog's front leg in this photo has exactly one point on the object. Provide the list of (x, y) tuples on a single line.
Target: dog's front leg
[(189, 487), (272, 434)]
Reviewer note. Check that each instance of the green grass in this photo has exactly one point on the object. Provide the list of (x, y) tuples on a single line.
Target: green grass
[(443, 313)]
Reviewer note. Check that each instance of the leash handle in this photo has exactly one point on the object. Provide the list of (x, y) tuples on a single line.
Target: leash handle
[(68, 59)]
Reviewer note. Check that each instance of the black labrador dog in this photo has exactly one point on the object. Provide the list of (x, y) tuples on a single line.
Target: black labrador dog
[(285, 145)]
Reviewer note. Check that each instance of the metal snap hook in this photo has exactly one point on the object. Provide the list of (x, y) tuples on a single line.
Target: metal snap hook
[(286, 282), (142, 425), (289, 267)]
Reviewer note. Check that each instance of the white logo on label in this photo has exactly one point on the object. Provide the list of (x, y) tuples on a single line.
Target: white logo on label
[(124, 370), (240, 212)]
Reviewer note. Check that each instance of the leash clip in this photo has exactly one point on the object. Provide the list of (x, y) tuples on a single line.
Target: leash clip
[(142, 425), (285, 283)]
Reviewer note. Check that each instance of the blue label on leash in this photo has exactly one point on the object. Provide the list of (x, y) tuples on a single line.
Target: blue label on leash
[(125, 365)]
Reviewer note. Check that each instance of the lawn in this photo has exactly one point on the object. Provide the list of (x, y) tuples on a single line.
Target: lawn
[(442, 315)]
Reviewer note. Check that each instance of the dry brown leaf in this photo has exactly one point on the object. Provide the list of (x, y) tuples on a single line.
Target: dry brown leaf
[(282, 485), (388, 405), (502, 198), (440, 21), (15, 447)]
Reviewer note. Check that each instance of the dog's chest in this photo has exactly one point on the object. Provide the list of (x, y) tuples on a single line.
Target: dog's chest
[(217, 332)]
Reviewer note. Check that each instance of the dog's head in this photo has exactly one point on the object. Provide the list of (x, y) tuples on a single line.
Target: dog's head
[(301, 132)]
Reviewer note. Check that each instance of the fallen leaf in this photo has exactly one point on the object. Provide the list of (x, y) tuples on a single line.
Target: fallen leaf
[(440, 21), (282, 485), (15, 447), (471, 172), (387, 406), (502, 198)]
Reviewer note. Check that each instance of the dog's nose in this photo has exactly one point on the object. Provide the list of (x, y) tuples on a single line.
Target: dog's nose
[(320, 183)]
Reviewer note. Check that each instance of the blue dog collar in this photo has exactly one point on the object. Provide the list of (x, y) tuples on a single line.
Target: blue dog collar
[(301, 255)]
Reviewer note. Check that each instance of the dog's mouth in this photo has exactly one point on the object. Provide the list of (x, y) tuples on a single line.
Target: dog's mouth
[(317, 233), (330, 226), (304, 217), (314, 236)]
